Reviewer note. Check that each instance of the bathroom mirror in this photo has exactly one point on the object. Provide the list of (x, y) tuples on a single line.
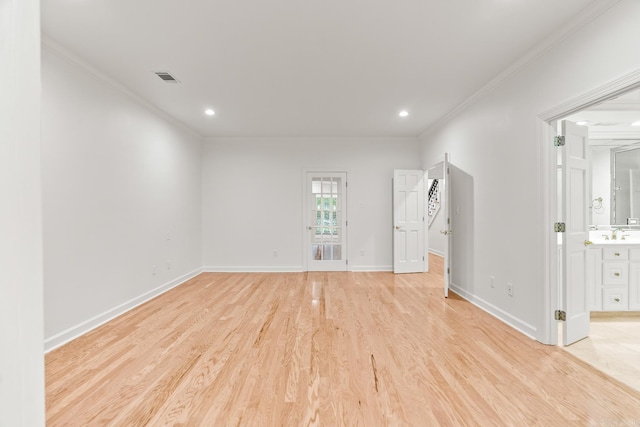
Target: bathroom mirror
[(625, 185), (615, 188)]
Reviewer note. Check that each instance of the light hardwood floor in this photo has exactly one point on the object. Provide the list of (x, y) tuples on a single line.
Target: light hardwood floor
[(335, 349)]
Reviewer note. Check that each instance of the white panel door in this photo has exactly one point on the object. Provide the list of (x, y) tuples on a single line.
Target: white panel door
[(408, 221), (448, 226), (575, 186), (440, 172), (325, 207)]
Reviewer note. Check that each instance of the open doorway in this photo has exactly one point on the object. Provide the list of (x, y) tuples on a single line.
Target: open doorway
[(612, 258)]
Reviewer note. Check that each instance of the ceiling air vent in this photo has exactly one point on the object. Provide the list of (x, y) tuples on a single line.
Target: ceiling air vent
[(166, 76)]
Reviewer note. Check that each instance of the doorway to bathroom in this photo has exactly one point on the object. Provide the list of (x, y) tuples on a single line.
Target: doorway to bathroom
[(602, 278)]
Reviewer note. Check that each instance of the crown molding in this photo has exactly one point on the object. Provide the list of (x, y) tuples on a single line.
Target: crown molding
[(55, 48), (587, 15)]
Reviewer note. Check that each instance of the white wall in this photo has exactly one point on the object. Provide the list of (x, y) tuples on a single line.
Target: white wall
[(252, 199), (496, 142), (21, 333), (121, 194)]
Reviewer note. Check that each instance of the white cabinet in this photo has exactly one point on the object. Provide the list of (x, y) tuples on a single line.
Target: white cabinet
[(613, 278), (634, 286)]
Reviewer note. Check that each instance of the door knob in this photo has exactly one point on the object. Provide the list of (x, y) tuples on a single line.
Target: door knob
[(398, 227), (446, 232), (309, 227)]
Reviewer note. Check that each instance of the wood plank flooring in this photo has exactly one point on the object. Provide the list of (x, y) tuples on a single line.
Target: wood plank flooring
[(334, 349)]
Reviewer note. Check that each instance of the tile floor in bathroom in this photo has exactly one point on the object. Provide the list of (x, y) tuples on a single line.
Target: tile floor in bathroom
[(613, 347)]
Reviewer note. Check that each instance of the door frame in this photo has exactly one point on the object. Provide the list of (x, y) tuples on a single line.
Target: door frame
[(304, 213), (547, 198)]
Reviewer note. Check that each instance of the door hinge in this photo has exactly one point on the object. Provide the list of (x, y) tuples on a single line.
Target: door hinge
[(423, 257), (558, 141), (448, 271), (560, 315), (346, 223), (347, 261), (559, 227), (346, 184), (448, 220)]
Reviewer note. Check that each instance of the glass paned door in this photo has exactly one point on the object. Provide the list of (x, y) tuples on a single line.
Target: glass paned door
[(326, 222)]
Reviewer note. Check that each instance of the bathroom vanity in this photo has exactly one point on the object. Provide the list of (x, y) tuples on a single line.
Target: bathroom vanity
[(613, 276)]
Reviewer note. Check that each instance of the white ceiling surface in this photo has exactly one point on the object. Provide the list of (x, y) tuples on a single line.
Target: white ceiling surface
[(610, 122), (305, 67)]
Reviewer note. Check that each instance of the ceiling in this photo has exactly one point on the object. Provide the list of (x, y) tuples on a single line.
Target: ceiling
[(305, 67), (610, 122)]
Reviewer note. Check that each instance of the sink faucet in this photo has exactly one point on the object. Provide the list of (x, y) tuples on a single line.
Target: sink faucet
[(614, 234)]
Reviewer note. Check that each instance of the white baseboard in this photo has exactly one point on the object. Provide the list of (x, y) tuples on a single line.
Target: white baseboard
[(505, 317), (252, 269), (435, 252), (363, 268), (74, 332)]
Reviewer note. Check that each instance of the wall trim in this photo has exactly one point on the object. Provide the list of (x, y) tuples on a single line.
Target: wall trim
[(517, 324), (74, 332), (53, 47), (591, 12), (252, 269), (369, 268), (436, 252)]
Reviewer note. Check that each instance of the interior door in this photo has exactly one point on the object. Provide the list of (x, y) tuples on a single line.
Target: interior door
[(448, 226), (575, 200), (440, 171), (326, 221), (408, 221)]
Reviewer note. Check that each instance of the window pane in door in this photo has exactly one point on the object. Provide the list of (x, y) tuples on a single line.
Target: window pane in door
[(326, 216)]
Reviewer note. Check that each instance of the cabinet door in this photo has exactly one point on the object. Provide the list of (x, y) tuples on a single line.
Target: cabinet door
[(594, 279), (634, 286)]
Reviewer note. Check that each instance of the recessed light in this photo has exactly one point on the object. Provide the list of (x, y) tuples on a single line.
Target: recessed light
[(636, 123), (403, 113), (209, 112), (582, 123)]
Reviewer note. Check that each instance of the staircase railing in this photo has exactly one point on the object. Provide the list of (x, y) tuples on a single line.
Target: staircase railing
[(433, 200)]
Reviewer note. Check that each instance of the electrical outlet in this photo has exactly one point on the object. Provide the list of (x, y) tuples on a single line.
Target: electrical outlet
[(362, 252), (510, 289), (168, 264), (492, 281), (153, 270), (275, 252)]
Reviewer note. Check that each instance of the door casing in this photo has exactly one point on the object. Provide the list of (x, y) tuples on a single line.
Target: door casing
[(547, 196)]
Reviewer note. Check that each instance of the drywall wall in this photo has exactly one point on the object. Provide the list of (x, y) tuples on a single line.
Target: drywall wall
[(495, 141), (121, 199), (252, 199), (21, 334)]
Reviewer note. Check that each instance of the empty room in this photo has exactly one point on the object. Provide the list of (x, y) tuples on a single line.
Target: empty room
[(316, 213)]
